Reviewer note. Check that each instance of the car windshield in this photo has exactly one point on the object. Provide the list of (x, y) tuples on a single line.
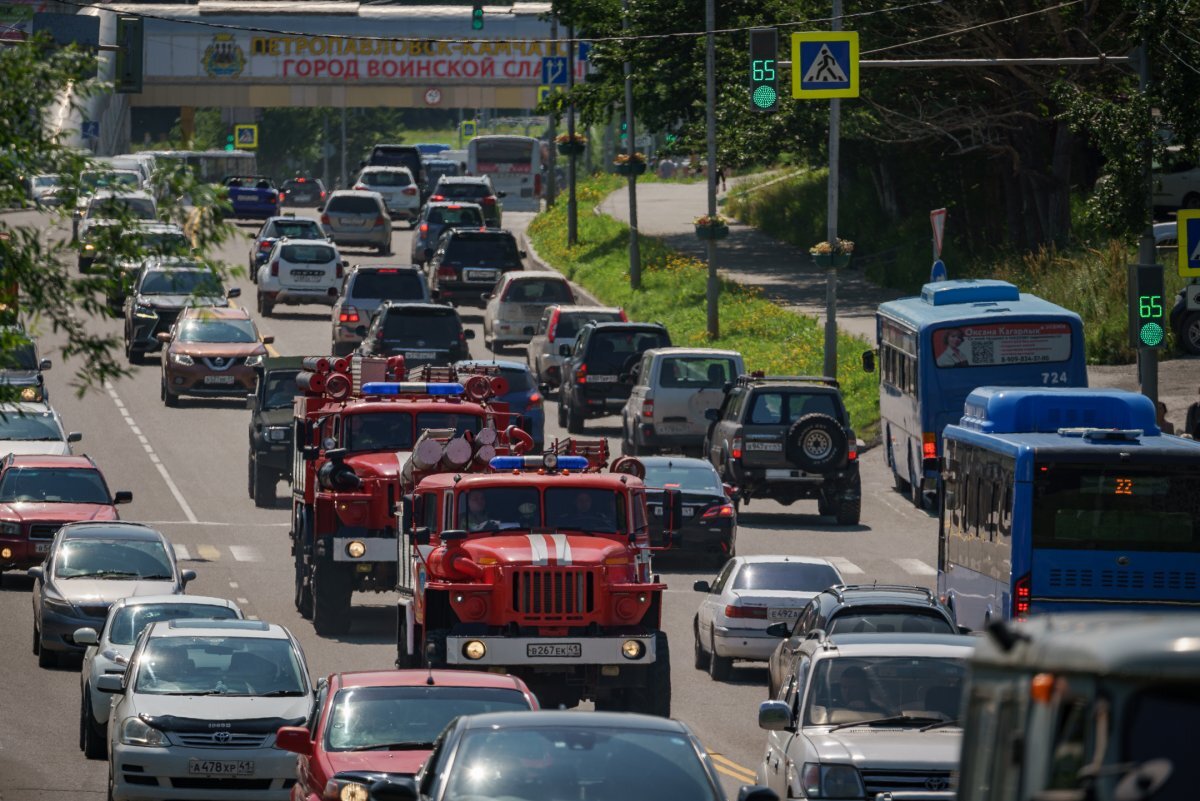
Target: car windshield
[(96, 557), (494, 509), (569, 322), (181, 282), (852, 689), (393, 718), (613, 351), (387, 284), (19, 424), (220, 665), (697, 372), (436, 169), (871, 621), (21, 357), (299, 229), (217, 331), (128, 621), (689, 478), (462, 191), (784, 408), (352, 204), (249, 181), (91, 181), (531, 762), (538, 290), (53, 485), (308, 254), (433, 329), (481, 250), (165, 244), (800, 576), (386, 178), (280, 389), (113, 207), (42, 181), (454, 215)]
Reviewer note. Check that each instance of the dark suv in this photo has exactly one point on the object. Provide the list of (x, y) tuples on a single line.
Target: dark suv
[(162, 291), (423, 333), (856, 609), (271, 427), (397, 156), (471, 189), (468, 262), (787, 438), (596, 376)]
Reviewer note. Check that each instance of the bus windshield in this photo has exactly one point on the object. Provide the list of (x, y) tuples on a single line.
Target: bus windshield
[(1100, 507)]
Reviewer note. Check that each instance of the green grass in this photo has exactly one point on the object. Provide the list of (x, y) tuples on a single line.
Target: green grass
[(673, 292)]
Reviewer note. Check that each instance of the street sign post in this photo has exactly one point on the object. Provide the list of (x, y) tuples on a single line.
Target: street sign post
[(938, 272), (824, 64), (937, 218), (1147, 306), (468, 128), (554, 70), (1188, 237), (245, 136), (543, 92)]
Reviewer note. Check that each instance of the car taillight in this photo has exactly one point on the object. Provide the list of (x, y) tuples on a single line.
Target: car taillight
[(349, 314), (264, 245), (322, 193), (735, 452), (852, 452), (581, 374), (624, 316), (725, 510), (750, 612), (325, 220), (1022, 592), (337, 270), (275, 269), (360, 187), (490, 200), (380, 221), (424, 228), (446, 272), (412, 190), (553, 324), (537, 186), (438, 197), (648, 408), (535, 399), (929, 445)]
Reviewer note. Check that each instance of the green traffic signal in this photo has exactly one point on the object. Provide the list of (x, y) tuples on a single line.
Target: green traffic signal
[(229, 142), (477, 18), (764, 69), (1147, 307)]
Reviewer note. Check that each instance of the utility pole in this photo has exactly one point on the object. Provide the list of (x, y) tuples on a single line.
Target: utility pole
[(572, 206), (713, 288), (552, 133), (1147, 254), (345, 174), (635, 254), (325, 148), (831, 224)]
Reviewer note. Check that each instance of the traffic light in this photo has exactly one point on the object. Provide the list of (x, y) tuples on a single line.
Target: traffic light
[(229, 142), (624, 127), (764, 80), (477, 18), (128, 73), (1147, 309)]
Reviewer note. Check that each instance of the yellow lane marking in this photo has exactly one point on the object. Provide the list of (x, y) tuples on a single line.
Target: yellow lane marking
[(728, 766), (208, 553)]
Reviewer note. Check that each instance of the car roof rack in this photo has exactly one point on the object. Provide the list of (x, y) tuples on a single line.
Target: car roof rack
[(747, 379), (839, 590)]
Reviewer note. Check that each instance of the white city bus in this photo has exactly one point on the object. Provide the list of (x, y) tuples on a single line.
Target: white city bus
[(514, 163)]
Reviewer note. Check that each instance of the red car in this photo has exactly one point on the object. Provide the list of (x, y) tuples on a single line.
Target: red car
[(38, 494), (376, 724)]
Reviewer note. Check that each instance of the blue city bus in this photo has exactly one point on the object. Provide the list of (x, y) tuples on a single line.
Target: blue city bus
[(956, 336), (1066, 500)]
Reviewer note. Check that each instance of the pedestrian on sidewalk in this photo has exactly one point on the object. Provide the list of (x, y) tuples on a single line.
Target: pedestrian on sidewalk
[(1192, 424), (721, 176), (1163, 423)]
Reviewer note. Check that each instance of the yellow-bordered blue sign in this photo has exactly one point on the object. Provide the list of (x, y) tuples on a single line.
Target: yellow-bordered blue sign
[(245, 137), (1188, 221), (824, 64)]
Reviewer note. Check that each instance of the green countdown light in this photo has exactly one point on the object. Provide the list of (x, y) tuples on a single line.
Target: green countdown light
[(764, 73), (477, 18), (1147, 307), (1151, 335), (765, 97)]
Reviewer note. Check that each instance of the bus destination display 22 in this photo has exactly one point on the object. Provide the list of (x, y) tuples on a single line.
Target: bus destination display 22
[(764, 66), (1147, 310)]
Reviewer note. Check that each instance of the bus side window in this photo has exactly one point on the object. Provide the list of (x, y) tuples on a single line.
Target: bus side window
[(912, 375)]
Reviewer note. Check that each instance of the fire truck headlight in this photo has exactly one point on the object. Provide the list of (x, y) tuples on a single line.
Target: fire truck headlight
[(474, 649), (353, 792), (633, 649), (355, 549)]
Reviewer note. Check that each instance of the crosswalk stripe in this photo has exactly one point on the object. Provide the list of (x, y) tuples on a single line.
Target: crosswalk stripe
[(915, 567), (208, 553), (181, 553), (843, 564), (245, 553)]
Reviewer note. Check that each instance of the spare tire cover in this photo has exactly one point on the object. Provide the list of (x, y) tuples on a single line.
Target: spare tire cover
[(815, 442)]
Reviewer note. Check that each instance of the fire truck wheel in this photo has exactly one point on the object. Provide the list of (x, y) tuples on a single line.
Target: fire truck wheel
[(265, 480), (331, 593), (654, 696)]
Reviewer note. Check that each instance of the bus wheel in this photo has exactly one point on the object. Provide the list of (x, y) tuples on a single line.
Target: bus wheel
[(915, 491)]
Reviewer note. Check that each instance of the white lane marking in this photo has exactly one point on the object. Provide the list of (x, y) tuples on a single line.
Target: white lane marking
[(843, 564), (162, 470), (243, 602), (252, 617), (915, 567), (181, 553), (539, 553), (562, 548), (245, 553), (233, 584)]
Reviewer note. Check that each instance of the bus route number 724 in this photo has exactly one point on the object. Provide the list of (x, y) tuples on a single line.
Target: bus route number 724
[(1054, 377)]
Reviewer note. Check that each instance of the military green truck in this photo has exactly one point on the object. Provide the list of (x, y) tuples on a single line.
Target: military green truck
[(271, 427)]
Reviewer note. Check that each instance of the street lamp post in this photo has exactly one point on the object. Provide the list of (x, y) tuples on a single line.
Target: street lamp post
[(572, 206), (713, 288), (635, 255)]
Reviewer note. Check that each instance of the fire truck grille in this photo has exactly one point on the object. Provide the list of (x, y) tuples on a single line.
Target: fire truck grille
[(554, 594)]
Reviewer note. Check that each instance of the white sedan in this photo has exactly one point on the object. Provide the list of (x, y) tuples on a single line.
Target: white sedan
[(749, 594), (108, 652)]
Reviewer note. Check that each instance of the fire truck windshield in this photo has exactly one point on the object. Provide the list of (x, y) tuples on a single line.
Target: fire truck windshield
[(494, 509), (393, 431)]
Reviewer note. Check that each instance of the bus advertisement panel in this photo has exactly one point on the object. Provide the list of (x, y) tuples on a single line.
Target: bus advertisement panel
[(996, 344)]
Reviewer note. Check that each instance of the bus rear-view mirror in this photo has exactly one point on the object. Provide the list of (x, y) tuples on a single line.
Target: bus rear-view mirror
[(868, 361)]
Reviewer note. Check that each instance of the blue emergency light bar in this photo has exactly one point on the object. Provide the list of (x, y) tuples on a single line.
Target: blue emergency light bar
[(550, 461), (411, 388)]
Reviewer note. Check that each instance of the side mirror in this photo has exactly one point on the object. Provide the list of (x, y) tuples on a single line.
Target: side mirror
[(235, 292), (522, 253), (44, 365), (251, 401), (486, 296), (730, 490), (187, 576), (501, 194), (345, 263), (75, 436), (712, 415), (394, 790), (756, 792), (295, 739), (112, 683), (564, 350), (701, 586), (267, 340), (36, 573), (163, 336), (311, 453), (420, 536), (360, 331), (672, 511), (961, 630), (123, 496), (868, 361), (86, 636), (434, 294), (468, 334), (779, 630), (774, 715), (428, 253)]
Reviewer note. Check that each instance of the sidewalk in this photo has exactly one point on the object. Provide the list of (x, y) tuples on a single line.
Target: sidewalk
[(785, 273)]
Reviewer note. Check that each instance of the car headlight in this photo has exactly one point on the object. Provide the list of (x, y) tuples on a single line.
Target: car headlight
[(832, 781), (254, 361), (145, 313), (135, 731), (10, 529), (57, 606), (182, 359), (278, 433)]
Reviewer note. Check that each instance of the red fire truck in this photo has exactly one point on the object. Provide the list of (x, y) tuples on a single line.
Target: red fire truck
[(353, 426), (538, 566)]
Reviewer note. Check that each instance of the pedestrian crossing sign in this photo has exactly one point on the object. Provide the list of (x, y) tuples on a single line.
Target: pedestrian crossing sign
[(1188, 235), (824, 64)]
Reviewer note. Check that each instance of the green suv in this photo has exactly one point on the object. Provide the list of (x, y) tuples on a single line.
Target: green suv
[(271, 427)]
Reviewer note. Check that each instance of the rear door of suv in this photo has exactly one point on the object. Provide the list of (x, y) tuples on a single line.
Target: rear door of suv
[(610, 353), (308, 266), (684, 386), (421, 334), (767, 416)]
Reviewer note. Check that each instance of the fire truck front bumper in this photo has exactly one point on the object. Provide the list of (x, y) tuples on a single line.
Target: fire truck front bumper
[(629, 650)]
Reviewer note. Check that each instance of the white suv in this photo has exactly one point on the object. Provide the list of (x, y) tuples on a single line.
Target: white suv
[(300, 271), (197, 710), (400, 192)]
